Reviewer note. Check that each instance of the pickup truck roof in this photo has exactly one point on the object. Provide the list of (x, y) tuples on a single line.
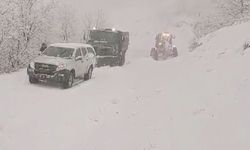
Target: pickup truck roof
[(71, 45)]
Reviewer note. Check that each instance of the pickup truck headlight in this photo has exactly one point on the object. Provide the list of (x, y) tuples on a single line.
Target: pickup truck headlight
[(32, 65), (61, 67)]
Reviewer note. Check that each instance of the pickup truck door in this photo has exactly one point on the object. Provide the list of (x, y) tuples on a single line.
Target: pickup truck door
[(85, 60), (92, 56), (79, 64)]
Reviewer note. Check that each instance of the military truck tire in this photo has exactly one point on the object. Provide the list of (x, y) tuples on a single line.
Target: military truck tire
[(122, 60)]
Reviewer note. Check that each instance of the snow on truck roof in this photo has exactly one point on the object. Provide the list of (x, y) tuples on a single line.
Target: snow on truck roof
[(70, 45)]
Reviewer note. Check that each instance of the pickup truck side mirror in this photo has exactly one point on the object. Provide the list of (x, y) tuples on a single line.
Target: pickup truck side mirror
[(84, 37), (78, 58), (40, 54)]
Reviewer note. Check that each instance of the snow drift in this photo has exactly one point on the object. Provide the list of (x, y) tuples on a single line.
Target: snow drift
[(228, 41)]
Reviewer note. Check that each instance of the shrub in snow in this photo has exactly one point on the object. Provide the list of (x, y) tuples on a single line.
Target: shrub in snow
[(195, 44), (246, 45), (227, 13)]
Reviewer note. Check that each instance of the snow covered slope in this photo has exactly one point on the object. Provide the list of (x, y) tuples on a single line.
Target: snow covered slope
[(225, 42), (199, 101)]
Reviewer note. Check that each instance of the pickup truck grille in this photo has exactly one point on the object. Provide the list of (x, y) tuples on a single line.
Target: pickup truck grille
[(41, 68)]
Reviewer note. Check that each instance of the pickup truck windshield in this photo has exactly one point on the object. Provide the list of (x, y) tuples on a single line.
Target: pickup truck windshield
[(59, 52)]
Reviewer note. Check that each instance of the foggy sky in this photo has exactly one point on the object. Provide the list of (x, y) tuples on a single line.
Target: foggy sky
[(114, 6), (123, 13)]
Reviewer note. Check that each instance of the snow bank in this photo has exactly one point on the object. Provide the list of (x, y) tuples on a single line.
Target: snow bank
[(228, 41)]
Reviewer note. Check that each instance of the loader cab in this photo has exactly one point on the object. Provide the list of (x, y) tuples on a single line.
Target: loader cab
[(164, 47), (163, 39)]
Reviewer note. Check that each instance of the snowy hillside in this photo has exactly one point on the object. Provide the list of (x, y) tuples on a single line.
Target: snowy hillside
[(227, 42), (199, 101)]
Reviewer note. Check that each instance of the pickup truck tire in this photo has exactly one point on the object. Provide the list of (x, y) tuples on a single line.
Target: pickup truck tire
[(33, 80), (68, 83), (89, 74)]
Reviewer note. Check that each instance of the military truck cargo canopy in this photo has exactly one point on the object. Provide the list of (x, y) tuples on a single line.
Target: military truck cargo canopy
[(70, 45), (103, 35)]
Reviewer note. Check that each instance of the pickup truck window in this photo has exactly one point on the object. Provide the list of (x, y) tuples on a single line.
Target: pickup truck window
[(59, 52), (84, 52), (78, 53), (90, 50)]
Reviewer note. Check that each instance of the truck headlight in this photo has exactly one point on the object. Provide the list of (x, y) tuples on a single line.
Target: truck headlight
[(61, 67)]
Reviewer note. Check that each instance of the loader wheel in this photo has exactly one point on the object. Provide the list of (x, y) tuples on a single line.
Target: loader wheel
[(154, 54), (175, 52)]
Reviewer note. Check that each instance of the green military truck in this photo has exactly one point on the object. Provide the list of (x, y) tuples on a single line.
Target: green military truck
[(110, 45)]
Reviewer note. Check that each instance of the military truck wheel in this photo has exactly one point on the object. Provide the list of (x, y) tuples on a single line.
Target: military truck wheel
[(122, 60), (69, 81), (33, 80), (89, 74), (175, 52)]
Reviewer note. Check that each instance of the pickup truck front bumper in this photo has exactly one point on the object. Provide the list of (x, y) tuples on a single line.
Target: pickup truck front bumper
[(58, 76)]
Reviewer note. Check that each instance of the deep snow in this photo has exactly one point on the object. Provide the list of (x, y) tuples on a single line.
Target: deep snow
[(198, 101)]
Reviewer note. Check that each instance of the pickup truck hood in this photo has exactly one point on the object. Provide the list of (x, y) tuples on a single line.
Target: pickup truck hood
[(51, 60)]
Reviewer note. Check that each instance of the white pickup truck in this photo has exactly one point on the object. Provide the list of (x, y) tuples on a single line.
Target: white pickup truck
[(63, 63)]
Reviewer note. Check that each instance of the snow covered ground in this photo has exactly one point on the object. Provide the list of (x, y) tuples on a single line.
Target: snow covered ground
[(198, 101)]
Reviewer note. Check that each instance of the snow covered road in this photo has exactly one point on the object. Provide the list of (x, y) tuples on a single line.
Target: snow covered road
[(173, 105), (198, 101)]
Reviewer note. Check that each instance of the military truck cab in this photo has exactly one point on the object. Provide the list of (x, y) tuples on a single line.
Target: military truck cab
[(110, 46)]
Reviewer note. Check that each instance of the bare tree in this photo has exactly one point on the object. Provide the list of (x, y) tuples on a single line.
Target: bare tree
[(100, 19), (236, 8), (97, 20), (4, 13), (93, 20), (67, 23), (22, 26), (228, 12)]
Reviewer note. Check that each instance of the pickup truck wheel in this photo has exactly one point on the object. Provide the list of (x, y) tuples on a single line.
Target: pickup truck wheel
[(33, 80), (89, 74), (69, 82)]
